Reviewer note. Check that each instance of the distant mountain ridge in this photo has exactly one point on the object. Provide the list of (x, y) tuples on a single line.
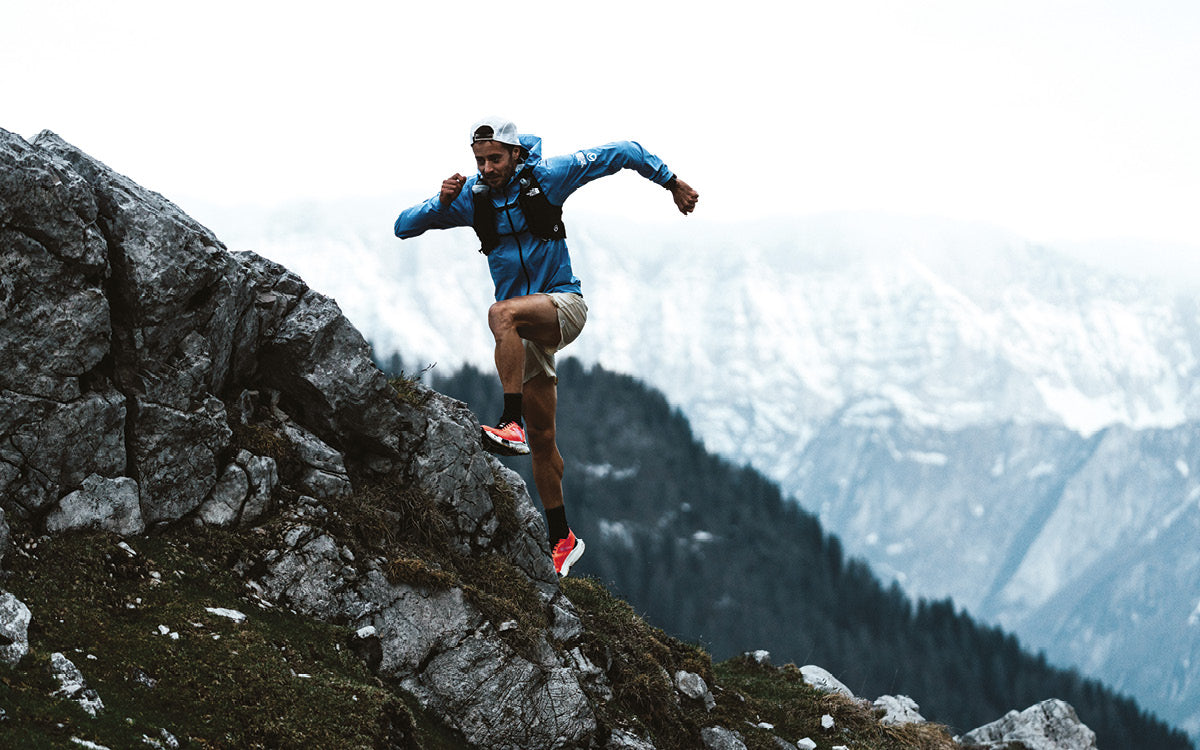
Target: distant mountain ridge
[(956, 323), (947, 362)]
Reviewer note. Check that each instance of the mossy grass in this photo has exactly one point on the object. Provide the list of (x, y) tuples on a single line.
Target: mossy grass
[(140, 631), (761, 702), (261, 440), (754, 694), (640, 661)]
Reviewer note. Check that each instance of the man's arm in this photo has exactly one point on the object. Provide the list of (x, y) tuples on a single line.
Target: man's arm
[(571, 172), (451, 207)]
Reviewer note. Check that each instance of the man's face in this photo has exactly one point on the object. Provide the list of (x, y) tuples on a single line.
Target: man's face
[(497, 162)]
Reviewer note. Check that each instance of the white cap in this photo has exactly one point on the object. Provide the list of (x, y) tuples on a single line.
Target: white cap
[(495, 129)]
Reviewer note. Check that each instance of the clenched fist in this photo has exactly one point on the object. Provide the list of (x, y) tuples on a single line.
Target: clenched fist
[(451, 187)]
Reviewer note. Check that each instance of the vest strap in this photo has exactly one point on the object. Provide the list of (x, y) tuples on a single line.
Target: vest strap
[(544, 219)]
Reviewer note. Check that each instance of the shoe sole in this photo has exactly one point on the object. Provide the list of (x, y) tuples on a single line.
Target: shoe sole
[(572, 558), (501, 447)]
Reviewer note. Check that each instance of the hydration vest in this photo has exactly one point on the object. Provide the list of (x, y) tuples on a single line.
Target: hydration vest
[(543, 218)]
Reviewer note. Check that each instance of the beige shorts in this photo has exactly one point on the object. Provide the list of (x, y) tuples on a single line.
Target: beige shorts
[(572, 315)]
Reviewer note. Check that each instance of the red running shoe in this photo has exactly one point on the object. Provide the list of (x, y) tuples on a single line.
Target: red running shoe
[(506, 440), (567, 552)]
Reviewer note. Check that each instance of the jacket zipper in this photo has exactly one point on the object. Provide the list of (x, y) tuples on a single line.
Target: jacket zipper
[(520, 249)]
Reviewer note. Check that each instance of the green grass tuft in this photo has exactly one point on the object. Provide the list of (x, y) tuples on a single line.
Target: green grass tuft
[(408, 389), (779, 696)]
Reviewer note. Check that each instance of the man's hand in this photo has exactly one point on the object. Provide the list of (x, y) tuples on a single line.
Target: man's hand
[(451, 187), (685, 198)]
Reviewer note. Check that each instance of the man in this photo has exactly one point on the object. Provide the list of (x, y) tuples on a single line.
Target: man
[(515, 204)]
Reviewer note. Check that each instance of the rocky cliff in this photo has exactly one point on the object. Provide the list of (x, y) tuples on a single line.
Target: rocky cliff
[(154, 384)]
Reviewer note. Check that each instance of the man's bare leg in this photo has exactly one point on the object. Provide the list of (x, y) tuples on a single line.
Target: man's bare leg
[(541, 406), (535, 318)]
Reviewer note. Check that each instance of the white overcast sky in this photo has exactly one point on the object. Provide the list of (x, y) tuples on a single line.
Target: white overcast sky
[(1056, 119)]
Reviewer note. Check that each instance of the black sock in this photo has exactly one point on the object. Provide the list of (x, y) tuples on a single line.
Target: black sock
[(556, 522), (512, 409)]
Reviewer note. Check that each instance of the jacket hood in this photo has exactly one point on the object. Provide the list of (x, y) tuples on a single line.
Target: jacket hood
[(533, 145)]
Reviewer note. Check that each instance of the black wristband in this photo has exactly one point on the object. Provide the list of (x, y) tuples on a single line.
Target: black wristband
[(670, 184)]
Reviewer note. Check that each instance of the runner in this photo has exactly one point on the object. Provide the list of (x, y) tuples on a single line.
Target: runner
[(514, 204)]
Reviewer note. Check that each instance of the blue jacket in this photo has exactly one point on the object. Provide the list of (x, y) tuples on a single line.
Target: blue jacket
[(524, 264)]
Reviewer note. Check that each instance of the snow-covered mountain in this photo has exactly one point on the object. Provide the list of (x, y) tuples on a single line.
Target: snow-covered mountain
[(977, 416)]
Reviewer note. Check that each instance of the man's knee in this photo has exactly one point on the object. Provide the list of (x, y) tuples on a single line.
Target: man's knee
[(501, 316), (541, 437)]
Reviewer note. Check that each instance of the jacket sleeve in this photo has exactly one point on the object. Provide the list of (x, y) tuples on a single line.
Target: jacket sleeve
[(566, 174), (433, 215)]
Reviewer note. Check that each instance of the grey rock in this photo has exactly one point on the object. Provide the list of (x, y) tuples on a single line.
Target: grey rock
[(47, 448), (623, 740), (5, 535), (324, 475), (139, 316), (821, 679), (14, 629), (263, 476), (102, 503), (172, 273), (243, 492), (720, 738), (898, 709), (164, 741), (324, 485), (54, 254), (591, 677), (529, 549), (71, 684), (1049, 725), (499, 699), (311, 450), (443, 650), (224, 503), (693, 686), (177, 454), (450, 465), (565, 625), (322, 366)]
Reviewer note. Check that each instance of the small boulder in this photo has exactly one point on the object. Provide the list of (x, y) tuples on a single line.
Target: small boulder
[(101, 503), (1049, 725), (822, 680), (14, 629), (72, 685), (898, 710), (693, 686), (720, 738)]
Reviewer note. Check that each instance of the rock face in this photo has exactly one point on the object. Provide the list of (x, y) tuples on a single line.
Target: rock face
[(133, 346)]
